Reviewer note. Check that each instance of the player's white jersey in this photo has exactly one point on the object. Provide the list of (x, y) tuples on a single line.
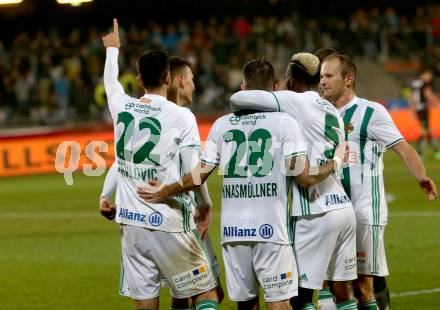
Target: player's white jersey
[(149, 134), (323, 131), (370, 130), (251, 151)]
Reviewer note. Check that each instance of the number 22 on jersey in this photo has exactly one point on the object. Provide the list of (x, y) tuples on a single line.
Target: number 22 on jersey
[(143, 154)]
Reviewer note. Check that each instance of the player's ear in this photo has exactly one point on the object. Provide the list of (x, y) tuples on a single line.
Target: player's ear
[(180, 80), (168, 78), (349, 79)]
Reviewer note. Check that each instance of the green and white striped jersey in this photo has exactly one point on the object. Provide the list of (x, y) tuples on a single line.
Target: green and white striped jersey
[(150, 133), (370, 131), (323, 130), (251, 151)]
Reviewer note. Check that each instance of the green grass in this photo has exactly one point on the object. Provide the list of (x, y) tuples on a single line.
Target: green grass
[(56, 252)]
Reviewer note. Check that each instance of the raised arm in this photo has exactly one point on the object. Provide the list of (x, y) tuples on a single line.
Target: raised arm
[(111, 70), (254, 100)]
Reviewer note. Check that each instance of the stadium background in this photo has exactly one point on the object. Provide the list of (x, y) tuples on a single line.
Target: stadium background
[(56, 252)]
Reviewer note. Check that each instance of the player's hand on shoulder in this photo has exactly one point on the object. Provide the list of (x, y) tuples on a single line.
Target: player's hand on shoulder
[(107, 208), (112, 39)]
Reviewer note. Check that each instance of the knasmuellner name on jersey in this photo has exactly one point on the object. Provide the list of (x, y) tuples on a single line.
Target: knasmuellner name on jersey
[(250, 190)]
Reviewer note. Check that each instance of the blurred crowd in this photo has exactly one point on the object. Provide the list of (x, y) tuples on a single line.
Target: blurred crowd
[(51, 77)]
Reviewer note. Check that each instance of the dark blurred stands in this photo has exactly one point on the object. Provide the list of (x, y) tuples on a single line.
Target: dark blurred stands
[(53, 77)]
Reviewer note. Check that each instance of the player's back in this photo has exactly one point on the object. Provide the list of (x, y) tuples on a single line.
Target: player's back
[(149, 134), (251, 150), (323, 130)]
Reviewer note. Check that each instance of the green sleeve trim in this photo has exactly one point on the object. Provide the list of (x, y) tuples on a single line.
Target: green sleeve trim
[(394, 143), (278, 103), (197, 146), (208, 162), (295, 154)]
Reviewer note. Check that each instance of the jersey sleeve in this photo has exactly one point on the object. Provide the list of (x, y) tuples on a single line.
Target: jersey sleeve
[(115, 92), (111, 181), (211, 150), (254, 100), (293, 141), (190, 132), (383, 129)]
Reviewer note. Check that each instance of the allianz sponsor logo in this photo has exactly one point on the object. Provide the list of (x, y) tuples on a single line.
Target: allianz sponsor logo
[(265, 231), (335, 199), (234, 231), (133, 216), (155, 219)]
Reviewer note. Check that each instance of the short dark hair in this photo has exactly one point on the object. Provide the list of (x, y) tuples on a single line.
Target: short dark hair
[(177, 64), (259, 74), (324, 52), (347, 65), (298, 72), (153, 67)]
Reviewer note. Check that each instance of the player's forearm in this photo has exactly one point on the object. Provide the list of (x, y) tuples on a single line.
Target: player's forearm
[(307, 176), (189, 182), (318, 174), (111, 72), (110, 181), (412, 160), (202, 196), (253, 100)]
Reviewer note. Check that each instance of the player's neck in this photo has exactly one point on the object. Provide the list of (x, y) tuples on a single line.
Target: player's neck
[(173, 96), (161, 91), (345, 99)]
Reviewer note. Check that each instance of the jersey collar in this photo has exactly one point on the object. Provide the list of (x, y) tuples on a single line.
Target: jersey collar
[(155, 97), (348, 105)]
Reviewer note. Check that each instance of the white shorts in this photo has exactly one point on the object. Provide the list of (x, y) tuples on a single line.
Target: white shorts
[(249, 265), (370, 247), (148, 254), (325, 247), (209, 249)]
